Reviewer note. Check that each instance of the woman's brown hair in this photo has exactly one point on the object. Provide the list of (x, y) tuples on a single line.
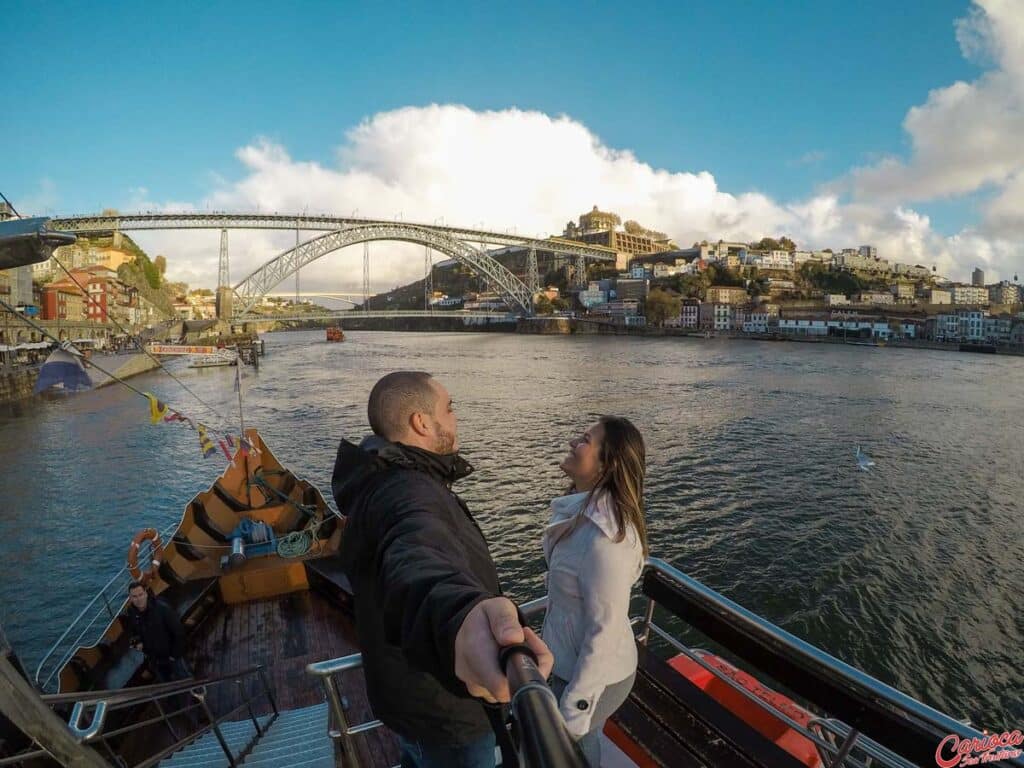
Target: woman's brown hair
[(623, 465)]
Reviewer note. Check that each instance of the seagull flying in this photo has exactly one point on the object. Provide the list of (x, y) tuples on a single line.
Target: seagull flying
[(864, 462)]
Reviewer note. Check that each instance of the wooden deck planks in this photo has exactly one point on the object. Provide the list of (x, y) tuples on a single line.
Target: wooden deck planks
[(284, 634)]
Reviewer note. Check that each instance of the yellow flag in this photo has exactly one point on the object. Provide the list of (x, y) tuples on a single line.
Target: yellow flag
[(157, 409)]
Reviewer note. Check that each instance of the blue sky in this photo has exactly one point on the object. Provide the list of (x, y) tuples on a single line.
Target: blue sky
[(100, 100), (777, 99)]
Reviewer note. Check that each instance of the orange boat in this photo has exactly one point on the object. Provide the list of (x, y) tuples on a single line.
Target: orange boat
[(335, 334)]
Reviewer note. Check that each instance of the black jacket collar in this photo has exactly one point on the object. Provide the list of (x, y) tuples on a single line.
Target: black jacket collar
[(356, 464)]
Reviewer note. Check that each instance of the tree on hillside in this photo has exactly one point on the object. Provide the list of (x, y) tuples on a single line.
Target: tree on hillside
[(690, 286), (542, 305), (660, 305), (160, 262), (787, 244)]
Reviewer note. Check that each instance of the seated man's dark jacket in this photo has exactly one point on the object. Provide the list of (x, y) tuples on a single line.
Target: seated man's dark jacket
[(418, 563), (158, 628)]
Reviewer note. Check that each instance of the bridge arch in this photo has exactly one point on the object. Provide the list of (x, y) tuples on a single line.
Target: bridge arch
[(263, 280)]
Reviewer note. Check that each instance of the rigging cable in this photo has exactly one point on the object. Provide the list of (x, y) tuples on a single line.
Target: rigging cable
[(140, 345)]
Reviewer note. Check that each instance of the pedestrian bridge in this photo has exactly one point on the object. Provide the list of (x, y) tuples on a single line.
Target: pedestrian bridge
[(468, 246)]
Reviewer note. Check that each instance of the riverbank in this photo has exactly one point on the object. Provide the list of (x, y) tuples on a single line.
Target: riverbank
[(18, 383)]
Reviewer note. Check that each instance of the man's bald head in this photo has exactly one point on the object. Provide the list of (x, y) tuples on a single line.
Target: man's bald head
[(396, 398)]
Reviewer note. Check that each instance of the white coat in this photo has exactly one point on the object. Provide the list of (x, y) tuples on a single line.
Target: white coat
[(589, 579)]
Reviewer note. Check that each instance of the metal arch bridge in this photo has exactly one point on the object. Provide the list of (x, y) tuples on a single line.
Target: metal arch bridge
[(344, 231)]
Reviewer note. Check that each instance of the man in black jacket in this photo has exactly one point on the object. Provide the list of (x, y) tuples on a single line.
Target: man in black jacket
[(428, 608), (156, 630)]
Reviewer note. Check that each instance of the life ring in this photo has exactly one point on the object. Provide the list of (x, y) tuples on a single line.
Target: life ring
[(150, 573)]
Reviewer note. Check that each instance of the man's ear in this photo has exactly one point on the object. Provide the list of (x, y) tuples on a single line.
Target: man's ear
[(418, 424)]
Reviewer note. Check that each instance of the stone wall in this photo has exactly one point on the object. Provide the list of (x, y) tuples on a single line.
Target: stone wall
[(17, 383)]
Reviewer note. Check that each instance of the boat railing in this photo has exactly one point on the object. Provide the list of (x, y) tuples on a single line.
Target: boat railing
[(810, 672), (877, 706), (545, 740), (176, 704), (105, 604)]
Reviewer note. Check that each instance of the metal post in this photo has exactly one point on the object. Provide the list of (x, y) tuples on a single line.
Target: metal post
[(648, 619), (224, 273), (216, 730), (248, 705), (167, 722), (844, 750), (428, 279), (366, 277), (266, 687), (297, 297), (110, 610), (532, 276), (348, 743)]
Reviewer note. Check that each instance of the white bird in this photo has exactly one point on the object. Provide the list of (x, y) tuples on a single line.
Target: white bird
[(864, 462)]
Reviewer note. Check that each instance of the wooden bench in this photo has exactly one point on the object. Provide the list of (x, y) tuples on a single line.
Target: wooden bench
[(679, 725)]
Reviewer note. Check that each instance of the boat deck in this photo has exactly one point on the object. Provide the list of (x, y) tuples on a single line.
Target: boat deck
[(284, 634)]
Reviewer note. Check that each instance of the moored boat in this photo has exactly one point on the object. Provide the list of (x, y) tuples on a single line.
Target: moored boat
[(220, 357), (334, 333)]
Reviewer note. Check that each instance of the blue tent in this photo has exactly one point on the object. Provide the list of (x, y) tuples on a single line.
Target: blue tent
[(62, 367)]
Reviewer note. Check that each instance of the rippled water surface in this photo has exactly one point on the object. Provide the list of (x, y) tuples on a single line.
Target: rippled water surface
[(911, 571)]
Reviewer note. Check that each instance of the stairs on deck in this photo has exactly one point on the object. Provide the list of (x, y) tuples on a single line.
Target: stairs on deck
[(297, 739)]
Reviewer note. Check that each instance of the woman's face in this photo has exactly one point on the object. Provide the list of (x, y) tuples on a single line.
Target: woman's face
[(583, 464)]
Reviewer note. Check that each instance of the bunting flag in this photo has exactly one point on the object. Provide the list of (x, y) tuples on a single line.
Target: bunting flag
[(228, 443), (157, 409), (205, 443), (224, 447)]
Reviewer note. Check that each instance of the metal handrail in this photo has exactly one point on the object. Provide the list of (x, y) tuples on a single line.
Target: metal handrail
[(849, 676), (133, 695), (106, 701), (342, 731), (77, 642)]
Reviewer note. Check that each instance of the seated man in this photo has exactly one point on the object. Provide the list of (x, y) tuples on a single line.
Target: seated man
[(156, 630)]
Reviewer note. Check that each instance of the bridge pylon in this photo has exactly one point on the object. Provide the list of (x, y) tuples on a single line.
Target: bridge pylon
[(225, 296)]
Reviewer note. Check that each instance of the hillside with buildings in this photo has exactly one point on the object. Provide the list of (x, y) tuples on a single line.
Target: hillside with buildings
[(769, 286)]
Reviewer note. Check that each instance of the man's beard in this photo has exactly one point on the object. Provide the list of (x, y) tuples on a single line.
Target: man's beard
[(445, 442)]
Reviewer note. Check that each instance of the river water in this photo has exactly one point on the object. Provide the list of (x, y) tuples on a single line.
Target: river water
[(911, 571)]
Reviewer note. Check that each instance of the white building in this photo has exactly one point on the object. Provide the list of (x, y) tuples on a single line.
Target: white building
[(1004, 292), (836, 299), (794, 326), (911, 270), (875, 297), (974, 295)]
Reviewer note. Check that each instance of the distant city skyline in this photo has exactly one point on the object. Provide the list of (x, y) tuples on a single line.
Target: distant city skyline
[(837, 126)]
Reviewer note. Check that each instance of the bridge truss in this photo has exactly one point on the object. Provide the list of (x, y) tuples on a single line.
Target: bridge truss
[(344, 231)]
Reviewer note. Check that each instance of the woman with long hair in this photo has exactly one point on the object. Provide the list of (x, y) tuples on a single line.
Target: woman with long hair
[(595, 545)]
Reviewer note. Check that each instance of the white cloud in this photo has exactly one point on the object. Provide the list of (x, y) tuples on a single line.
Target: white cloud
[(967, 137), (530, 171)]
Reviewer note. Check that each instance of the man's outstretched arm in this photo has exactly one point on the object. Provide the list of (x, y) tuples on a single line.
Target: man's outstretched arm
[(443, 618)]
